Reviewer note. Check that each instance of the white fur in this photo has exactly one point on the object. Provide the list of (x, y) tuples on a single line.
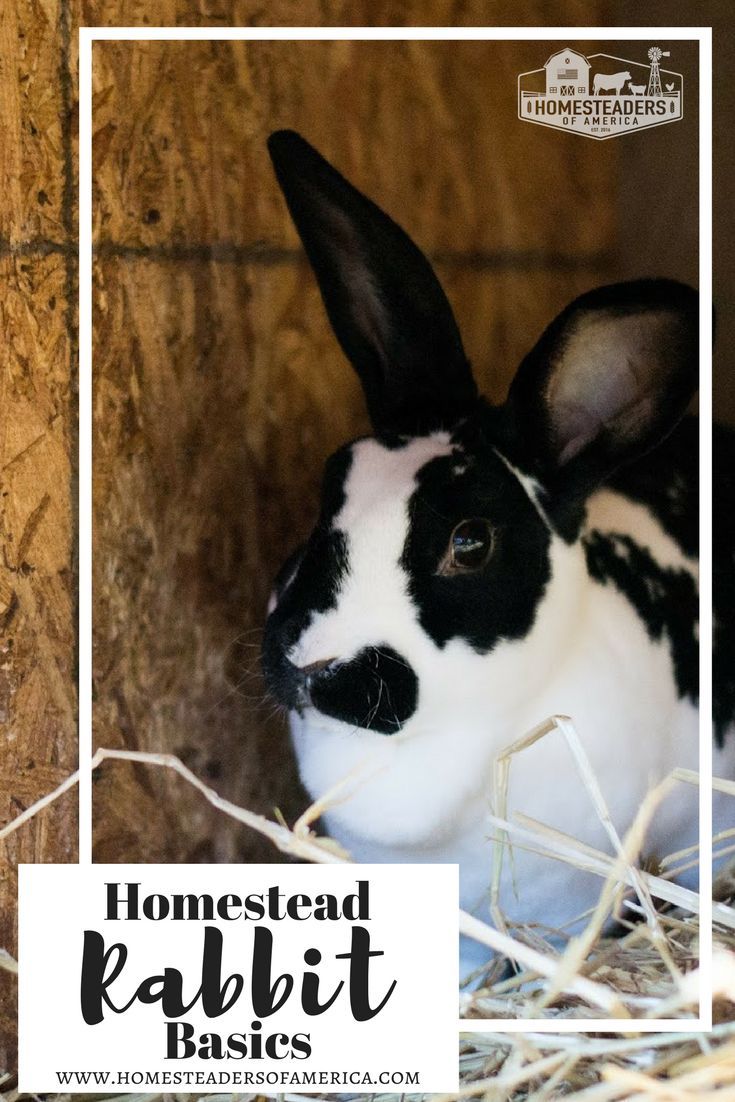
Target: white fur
[(424, 794)]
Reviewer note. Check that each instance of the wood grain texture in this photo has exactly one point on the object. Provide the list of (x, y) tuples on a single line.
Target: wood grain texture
[(191, 459), (38, 746), (219, 389), (429, 128), (31, 109), (37, 688), (344, 13)]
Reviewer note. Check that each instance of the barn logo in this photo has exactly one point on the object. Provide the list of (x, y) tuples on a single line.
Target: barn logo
[(601, 96)]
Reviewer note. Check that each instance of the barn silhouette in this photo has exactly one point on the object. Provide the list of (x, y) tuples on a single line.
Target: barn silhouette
[(567, 73)]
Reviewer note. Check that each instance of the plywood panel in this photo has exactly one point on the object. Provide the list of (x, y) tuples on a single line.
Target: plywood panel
[(429, 129), (190, 455), (342, 13), (36, 583), (37, 697), (502, 313), (32, 110)]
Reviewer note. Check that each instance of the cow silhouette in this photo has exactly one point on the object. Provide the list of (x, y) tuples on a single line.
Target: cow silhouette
[(609, 82)]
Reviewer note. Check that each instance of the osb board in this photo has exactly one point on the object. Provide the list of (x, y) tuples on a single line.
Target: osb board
[(342, 13), (37, 699), (219, 390), (32, 110), (429, 128), (184, 444)]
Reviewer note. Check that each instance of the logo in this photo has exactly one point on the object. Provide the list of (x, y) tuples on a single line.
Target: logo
[(601, 96)]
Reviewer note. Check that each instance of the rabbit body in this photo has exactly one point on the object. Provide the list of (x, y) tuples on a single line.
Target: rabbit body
[(423, 795), (475, 570)]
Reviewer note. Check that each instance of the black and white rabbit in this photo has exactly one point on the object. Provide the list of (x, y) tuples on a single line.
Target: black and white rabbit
[(475, 570)]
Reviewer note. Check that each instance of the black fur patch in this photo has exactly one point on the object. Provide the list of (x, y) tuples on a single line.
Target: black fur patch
[(665, 599), (377, 690), (288, 570), (313, 590), (321, 565), (666, 481), (336, 469), (500, 600), (723, 579)]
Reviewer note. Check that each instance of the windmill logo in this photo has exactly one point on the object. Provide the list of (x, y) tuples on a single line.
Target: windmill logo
[(601, 96)]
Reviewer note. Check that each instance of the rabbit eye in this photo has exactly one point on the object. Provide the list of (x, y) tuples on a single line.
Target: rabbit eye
[(470, 547)]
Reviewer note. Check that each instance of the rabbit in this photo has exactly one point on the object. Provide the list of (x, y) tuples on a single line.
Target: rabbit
[(475, 569)]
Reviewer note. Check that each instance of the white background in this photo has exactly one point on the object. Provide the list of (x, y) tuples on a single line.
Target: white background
[(413, 919)]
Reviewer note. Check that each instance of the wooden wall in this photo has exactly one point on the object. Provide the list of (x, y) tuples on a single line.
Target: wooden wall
[(219, 388), (37, 445)]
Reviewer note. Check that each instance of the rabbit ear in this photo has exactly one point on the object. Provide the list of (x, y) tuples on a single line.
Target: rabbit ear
[(609, 379), (383, 299)]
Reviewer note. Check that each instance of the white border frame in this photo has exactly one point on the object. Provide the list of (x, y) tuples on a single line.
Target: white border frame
[(702, 35)]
